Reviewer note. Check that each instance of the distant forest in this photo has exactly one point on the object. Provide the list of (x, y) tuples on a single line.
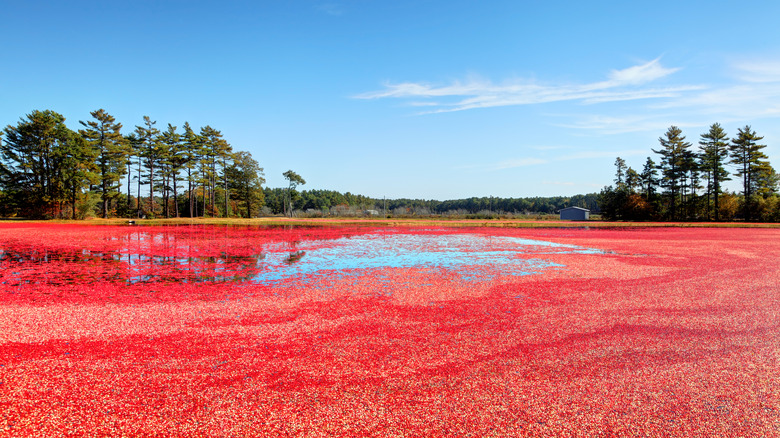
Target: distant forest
[(315, 203), (48, 170)]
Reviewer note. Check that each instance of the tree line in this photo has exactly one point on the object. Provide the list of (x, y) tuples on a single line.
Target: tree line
[(329, 202), (48, 170), (687, 183)]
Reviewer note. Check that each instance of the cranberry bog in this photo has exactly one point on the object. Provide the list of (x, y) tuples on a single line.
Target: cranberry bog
[(378, 331)]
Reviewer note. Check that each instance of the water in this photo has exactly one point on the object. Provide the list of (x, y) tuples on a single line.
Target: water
[(260, 257), (376, 251)]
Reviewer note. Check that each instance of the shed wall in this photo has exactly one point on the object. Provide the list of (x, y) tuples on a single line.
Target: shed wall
[(573, 214)]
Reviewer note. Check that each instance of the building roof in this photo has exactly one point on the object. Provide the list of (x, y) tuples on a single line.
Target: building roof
[(574, 208)]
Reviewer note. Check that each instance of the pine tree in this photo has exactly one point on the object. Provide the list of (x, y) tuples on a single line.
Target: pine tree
[(149, 156), (102, 134), (77, 169), (620, 173), (633, 180), (191, 148), (649, 178), (227, 157), (751, 163), (293, 179), (134, 147), (715, 151), (215, 152), (673, 156), (171, 162), (690, 182)]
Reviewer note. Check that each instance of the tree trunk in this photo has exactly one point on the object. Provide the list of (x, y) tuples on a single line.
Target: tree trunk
[(175, 198)]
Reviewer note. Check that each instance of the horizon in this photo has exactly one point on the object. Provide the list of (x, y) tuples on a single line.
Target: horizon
[(435, 101)]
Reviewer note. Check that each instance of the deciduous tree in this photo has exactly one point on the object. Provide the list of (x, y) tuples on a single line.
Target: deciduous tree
[(245, 178), (30, 163)]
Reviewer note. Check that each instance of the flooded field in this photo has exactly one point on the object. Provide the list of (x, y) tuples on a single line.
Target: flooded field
[(315, 331)]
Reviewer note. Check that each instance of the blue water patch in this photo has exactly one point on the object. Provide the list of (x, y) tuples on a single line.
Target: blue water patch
[(507, 255)]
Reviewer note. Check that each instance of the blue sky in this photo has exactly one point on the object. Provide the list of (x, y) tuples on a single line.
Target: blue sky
[(419, 99)]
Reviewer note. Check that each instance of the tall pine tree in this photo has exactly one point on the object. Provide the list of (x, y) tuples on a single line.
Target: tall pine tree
[(649, 178), (673, 154), (149, 156), (102, 135), (751, 164), (191, 148), (715, 150), (172, 162)]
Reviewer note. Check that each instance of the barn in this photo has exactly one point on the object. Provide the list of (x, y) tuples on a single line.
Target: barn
[(575, 214)]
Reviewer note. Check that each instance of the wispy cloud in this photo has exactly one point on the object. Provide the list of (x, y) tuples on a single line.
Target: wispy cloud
[(620, 85), (331, 9), (758, 71), (752, 93), (755, 94), (646, 97), (536, 161), (620, 124), (640, 74), (520, 162)]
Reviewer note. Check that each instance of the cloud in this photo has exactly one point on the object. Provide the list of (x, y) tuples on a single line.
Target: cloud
[(758, 71), (521, 162), (331, 9), (621, 85), (645, 97), (535, 161), (621, 124), (753, 94), (640, 74)]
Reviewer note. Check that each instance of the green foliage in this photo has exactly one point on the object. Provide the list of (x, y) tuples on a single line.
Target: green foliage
[(214, 152), (191, 145), (675, 163), (649, 178), (148, 158), (86, 204), (292, 195), (33, 157), (172, 159), (753, 166), (245, 180), (620, 173), (103, 136), (46, 169), (683, 173), (715, 149), (275, 199)]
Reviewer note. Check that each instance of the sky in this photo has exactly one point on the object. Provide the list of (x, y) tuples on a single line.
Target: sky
[(408, 99)]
